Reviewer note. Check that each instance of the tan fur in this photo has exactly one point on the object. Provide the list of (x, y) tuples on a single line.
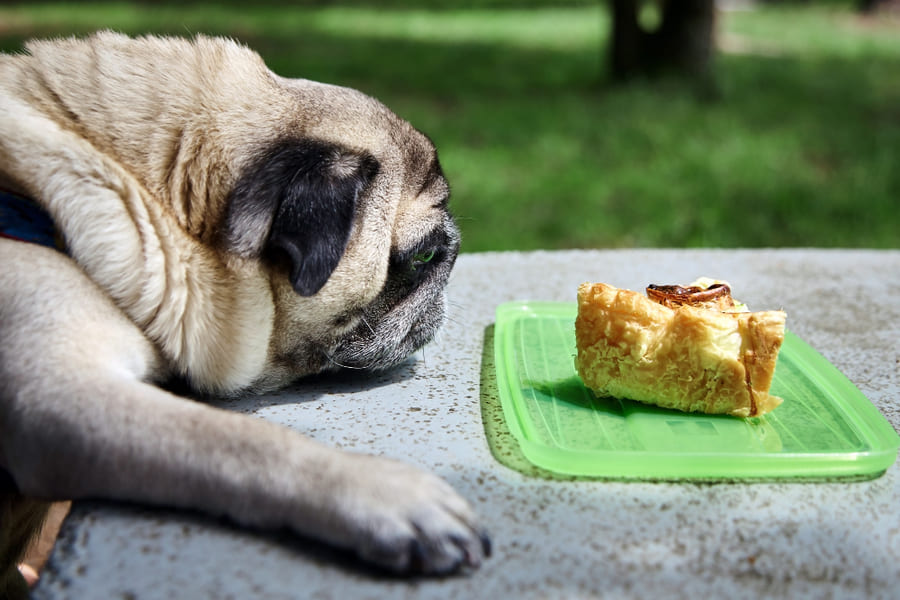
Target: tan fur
[(134, 146)]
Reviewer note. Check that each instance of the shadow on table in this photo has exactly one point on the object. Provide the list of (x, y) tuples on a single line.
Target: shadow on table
[(316, 387)]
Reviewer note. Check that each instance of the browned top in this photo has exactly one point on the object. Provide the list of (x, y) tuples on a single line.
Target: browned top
[(716, 296)]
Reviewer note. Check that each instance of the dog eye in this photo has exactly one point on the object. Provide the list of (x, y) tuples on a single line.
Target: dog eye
[(421, 258)]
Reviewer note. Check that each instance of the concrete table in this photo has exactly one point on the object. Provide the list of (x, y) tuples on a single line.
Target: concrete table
[(553, 538)]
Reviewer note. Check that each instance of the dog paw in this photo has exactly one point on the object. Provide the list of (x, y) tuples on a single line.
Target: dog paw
[(409, 521)]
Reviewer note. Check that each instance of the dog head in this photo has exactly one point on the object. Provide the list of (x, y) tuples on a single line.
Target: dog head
[(348, 212), (350, 218)]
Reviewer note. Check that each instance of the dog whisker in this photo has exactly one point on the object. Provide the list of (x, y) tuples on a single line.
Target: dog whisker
[(424, 358), (363, 318), (453, 320), (455, 308), (337, 364)]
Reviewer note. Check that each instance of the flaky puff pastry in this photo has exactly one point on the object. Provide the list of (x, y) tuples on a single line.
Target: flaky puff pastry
[(688, 358)]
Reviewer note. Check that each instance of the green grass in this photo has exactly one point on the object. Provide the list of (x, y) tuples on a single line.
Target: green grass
[(800, 147)]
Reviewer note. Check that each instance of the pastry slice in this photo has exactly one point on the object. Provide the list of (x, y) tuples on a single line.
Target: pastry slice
[(687, 348)]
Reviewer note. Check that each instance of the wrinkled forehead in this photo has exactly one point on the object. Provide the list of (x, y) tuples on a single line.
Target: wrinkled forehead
[(425, 179), (343, 115), (423, 206), (405, 155)]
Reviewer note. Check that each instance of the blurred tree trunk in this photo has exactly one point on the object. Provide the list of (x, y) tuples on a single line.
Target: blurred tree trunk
[(873, 6), (681, 44), (868, 6)]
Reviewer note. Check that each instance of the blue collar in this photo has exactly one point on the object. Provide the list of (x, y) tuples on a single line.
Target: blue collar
[(22, 219)]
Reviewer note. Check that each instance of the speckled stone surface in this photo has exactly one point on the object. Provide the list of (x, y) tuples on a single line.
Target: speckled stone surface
[(552, 538)]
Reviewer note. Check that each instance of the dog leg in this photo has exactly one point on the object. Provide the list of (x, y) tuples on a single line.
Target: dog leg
[(79, 419)]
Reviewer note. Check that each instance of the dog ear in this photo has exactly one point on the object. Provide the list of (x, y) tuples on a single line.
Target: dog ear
[(299, 202)]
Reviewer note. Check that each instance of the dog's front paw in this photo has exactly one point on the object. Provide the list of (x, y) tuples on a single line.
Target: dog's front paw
[(408, 520)]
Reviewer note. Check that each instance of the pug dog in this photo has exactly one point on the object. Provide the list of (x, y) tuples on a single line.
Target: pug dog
[(233, 230)]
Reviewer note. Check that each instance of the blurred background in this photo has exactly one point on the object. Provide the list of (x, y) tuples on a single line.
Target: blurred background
[(612, 123)]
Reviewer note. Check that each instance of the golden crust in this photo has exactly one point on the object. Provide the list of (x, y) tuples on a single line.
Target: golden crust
[(687, 358)]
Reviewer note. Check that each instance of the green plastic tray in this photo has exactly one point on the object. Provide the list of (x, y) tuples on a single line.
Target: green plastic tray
[(826, 428)]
